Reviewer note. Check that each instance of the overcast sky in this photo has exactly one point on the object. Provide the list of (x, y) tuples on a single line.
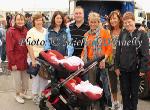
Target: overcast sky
[(33, 4), (145, 4), (49, 4)]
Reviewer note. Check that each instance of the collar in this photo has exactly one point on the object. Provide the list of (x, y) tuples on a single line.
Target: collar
[(52, 30), (74, 24), (95, 31)]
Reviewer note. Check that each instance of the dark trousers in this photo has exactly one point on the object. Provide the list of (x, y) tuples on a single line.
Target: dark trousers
[(129, 83)]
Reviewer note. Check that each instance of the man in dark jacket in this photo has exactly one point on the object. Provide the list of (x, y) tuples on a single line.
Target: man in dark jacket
[(77, 30), (28, 23), (131, 60)]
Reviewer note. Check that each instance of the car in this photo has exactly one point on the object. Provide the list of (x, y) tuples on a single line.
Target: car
[(148, 24), (144, 88)]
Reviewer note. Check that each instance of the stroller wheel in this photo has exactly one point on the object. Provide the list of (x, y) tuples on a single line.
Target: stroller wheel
[(43, 105)]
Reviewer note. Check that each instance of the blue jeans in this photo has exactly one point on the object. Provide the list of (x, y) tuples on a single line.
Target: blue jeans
[(104, 79)]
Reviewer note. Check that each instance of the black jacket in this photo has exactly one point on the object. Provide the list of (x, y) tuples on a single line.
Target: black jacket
[(130, 54)]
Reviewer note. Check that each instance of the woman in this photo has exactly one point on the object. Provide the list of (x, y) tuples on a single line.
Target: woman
[(35, 37), (97, 43), (17, 57), (67, 20), (115, 22), (58, 36), (131, 61)]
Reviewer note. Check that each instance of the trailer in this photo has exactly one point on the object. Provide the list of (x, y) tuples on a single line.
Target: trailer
[(104, 7)]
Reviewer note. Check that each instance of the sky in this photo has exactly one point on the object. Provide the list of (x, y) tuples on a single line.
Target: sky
[(8, 5), (144, 4), (33, 4)]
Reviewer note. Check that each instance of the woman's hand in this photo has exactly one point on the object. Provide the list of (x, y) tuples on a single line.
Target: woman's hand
[(141, 74), (14, 68), (34, 63), (117, 71), (102, 64)]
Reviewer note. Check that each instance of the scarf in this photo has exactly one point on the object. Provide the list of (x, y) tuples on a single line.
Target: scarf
[(96, 44)]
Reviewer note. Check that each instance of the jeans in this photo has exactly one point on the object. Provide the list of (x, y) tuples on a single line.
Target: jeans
[(106, 86), (129, 83)]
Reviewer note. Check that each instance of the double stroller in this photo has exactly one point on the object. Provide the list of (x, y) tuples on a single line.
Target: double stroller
[(64, 92)]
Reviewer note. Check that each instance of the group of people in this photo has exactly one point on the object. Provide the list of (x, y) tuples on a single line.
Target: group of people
[(87, 40)]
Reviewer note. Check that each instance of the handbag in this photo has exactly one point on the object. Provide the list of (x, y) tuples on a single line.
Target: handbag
[(45, 71), (33, 70)]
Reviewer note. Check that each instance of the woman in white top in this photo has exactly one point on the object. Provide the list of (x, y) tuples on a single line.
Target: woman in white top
[(35, 41)]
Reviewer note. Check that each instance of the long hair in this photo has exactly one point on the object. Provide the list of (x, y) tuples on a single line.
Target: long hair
[(116, 12), (21, 16), (53, 19)]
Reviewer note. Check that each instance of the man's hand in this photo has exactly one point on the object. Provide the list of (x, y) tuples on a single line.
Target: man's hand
[(141, 74), (117, 71), (14, 68), (102, 64)]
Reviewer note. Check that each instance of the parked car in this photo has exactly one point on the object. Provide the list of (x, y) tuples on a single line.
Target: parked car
[(148, 24), (144, 89)]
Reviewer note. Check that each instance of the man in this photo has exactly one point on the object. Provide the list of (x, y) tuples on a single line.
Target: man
[(78, 29), (131, 60), (28, 23)]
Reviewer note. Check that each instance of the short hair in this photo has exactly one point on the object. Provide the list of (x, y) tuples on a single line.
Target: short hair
[(53, 19), (79, 7), (37, 16), (94, 16), (27, 15), (116, 12), (128, 15)]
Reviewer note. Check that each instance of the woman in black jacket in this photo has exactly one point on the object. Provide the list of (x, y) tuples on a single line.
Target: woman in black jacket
[(132, 55)]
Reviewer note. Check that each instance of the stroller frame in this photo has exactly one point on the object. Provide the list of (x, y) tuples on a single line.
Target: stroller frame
[(83, 70)]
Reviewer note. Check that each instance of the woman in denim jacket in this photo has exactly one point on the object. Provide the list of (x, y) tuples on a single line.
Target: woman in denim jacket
[(58, 36)]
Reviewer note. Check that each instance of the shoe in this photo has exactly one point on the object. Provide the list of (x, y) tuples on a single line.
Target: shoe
[(108, 108), (25, 96), (19, 99), (36, 100), (116, 105)]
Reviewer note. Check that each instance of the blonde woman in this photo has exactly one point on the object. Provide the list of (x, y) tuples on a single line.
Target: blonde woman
[(97, 43), (35, 37)]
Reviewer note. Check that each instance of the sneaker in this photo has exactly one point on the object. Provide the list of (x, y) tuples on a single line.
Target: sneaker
[(108, 108), (19, 99), (36, 100), (25, 96), (116, 105)]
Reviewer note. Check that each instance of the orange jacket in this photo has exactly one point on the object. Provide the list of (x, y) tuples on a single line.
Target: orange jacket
[(106, 45)]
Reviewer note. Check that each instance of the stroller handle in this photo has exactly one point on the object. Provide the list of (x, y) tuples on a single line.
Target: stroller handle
[(97, 59)]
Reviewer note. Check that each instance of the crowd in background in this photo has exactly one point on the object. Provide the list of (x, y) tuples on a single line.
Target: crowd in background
[(79, 33)]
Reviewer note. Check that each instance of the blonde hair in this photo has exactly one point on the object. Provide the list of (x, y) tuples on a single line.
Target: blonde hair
[(94, 16)]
